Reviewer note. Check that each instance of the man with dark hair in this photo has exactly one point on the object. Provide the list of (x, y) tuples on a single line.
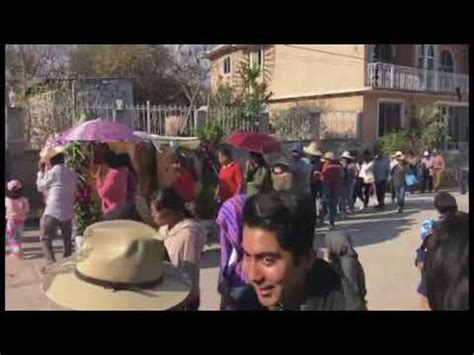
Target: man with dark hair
[(447, 264), (279, 261), (381, 174), (446, 205), (59, 183)]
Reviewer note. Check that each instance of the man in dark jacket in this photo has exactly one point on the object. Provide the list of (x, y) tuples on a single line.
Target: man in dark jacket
[(279, 261)]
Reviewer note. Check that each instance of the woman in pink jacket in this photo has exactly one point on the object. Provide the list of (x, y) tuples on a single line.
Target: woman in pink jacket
[(112, 186)]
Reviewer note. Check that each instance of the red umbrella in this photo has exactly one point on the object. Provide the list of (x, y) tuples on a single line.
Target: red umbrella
[(253, 141)]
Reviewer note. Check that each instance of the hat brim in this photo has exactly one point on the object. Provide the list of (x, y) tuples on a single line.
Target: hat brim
[(67, 291), (315, 153), (48, 152)]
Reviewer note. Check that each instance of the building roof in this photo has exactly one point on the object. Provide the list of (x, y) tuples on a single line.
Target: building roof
[(221, 49)]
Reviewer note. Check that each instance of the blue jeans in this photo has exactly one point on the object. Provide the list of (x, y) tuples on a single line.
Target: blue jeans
[(330, 201), (400, 195), (346, 200)]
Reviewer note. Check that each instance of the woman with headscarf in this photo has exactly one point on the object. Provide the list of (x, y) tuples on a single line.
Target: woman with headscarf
[(281, 175), (344, 259), (257, 175)]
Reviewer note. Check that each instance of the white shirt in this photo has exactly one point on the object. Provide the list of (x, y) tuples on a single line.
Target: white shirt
[(60, 184), (367, 172)]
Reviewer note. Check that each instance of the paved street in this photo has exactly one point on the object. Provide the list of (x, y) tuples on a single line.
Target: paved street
[(386, 243)]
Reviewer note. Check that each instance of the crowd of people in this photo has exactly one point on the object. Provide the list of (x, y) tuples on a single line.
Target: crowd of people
[(267, 217)]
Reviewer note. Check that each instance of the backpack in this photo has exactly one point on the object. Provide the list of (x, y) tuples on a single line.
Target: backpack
[(355, 300)]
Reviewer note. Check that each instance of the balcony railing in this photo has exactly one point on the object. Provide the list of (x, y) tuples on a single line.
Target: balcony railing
[(389, 76)]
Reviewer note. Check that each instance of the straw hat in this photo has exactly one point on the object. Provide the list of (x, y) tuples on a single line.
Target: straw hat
[(48, 152), (312, 149), (347, 155), (14, 185), (329, 156), (118, 267), (399, 156)]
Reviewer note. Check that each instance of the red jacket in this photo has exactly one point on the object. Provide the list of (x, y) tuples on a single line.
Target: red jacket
[(185, 185), (331, 176), (230, 178)]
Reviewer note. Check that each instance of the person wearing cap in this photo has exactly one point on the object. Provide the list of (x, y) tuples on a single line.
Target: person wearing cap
[(331, 178), (184, 238), (439, 167), (427, 164), (301, 169), (399, 172), (381, 175), (315, 156), (349, 170), (16, 211), (60, 184), (281, 175)]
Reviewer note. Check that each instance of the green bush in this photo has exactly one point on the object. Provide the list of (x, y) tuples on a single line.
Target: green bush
[(394, 141)]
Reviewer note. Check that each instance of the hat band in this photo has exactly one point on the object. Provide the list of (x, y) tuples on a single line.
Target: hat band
[(117, 286)]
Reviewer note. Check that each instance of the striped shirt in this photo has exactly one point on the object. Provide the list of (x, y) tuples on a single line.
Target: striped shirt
[(230, 221)]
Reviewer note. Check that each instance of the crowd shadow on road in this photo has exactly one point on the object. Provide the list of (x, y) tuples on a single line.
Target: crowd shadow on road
[(211, 258), (31, 253), (372, 226)]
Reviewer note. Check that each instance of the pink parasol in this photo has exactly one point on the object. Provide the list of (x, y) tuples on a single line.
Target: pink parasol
[(253, 141), (99, 130)]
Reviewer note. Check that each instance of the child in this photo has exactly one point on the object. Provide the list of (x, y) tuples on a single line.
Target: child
[(16, 208)]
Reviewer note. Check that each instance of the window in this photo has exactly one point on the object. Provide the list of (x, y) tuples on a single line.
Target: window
[(383, 53), (426, 56), (458, 123), (446, 62), (257, 58), (390, 117), (227, 65)]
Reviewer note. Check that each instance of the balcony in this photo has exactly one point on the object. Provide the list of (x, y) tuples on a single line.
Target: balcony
[(395, 77)]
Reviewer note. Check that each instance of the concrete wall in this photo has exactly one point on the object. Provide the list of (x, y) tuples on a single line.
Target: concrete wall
[(305, 70), (338, 103), (104, 91)]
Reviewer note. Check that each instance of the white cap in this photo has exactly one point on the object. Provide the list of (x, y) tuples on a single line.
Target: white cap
[(426, 153)]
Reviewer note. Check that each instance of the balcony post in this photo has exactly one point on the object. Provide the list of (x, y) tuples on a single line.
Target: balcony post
[(392, 76)]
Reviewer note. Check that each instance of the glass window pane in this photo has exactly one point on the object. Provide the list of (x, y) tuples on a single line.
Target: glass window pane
[(430, 51)]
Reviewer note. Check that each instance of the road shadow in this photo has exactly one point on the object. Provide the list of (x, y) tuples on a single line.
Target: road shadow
[(37, 252), (372, 226)]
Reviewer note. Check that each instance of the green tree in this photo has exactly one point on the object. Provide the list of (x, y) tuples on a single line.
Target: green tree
[(248, 100)]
